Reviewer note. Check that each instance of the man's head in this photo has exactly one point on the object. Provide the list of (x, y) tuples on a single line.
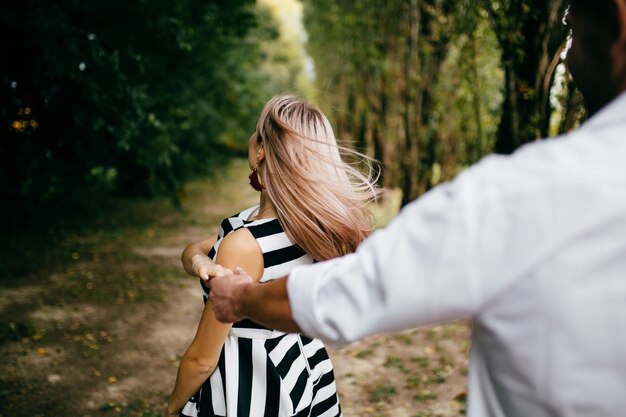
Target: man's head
[(597, 57)]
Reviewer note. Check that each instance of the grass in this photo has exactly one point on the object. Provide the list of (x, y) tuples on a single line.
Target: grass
[(383, 393), (73, 291), (74, 297)]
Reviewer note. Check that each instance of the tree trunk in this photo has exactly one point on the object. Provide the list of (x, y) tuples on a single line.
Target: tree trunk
[(531, 44)]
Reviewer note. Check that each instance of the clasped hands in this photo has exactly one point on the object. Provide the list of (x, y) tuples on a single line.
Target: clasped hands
[(227, 287)]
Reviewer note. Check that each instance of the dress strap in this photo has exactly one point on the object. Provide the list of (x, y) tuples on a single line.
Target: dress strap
[(255, 333)]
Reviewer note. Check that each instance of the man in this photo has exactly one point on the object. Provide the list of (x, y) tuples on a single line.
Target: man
[(531, 246)]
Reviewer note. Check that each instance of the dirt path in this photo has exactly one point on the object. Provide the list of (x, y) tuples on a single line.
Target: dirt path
[(94, 322)]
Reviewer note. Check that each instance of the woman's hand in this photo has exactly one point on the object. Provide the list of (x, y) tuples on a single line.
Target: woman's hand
[(203, 267), (196, 262)]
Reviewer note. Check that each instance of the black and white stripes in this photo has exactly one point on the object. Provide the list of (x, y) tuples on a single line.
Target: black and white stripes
[(264, 372)]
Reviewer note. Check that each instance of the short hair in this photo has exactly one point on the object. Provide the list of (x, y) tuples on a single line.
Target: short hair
[(593, 7), (600, 12)]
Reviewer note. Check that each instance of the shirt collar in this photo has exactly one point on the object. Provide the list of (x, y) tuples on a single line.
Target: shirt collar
[(611, 114)]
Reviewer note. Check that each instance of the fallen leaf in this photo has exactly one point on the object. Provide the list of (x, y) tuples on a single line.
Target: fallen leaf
[(54, 378)]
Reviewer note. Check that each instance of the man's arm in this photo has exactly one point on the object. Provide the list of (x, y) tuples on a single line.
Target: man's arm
[(446, 255), (419, 270), (236, 296)]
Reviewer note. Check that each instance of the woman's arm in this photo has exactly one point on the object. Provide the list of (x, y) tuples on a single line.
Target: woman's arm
[(196, 262), (199, 361), (239, 248)]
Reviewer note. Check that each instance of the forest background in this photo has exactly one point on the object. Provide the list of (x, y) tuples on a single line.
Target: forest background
[(134, 98), (123, 121)]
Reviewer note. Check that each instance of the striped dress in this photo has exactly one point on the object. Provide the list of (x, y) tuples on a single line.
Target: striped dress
[(264, 372)]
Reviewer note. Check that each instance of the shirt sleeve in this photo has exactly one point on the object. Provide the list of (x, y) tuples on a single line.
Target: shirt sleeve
[(445, 256), (416, 271)]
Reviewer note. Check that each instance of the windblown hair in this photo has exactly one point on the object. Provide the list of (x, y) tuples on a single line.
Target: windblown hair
[(321, 200)]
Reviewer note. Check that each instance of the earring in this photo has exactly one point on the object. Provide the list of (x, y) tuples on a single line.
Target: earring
[(254, 180)]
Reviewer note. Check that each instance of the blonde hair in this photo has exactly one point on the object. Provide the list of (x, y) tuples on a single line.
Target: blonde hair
[(320, 199)]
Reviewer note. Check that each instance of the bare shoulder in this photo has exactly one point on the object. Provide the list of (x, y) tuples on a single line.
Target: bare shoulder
[(240, 241), (240, 248)]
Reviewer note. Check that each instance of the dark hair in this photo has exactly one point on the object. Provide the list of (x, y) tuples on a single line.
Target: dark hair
[(601, 13), (594, 7)]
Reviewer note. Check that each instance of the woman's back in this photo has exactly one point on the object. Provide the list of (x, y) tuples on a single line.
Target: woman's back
[(264, 372), (318, 202)]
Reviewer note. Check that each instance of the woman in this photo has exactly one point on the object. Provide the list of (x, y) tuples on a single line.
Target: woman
[(312, 207)]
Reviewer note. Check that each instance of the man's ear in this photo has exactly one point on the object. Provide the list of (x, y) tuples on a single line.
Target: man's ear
[(618, 45), (620, 20)]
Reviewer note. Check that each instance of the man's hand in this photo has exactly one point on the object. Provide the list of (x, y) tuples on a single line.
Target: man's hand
[(226, 292), (203, 267)]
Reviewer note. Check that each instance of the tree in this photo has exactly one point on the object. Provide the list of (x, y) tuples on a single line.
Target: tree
[(382, 77), (124, 96), (430, 86), (531, 38)]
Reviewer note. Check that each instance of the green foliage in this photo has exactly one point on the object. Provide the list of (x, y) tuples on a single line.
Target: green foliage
[(122, 96), (469, 99), (428, 87), (383, 393), (285, 64), (531, 38), (404, 80)]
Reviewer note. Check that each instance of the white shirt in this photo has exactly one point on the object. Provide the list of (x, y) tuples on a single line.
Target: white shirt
[(532, 247)]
